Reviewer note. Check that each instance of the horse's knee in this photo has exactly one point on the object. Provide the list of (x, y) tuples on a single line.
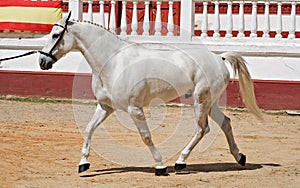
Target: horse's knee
[(136, 112), (146, 137)]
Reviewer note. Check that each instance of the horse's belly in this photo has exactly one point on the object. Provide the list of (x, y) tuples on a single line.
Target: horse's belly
[(165, 91)]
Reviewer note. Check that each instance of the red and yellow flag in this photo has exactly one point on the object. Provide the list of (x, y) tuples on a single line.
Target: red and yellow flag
[(29, 15)]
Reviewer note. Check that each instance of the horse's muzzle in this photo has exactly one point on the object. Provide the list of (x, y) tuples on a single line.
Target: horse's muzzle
[(45, 63)]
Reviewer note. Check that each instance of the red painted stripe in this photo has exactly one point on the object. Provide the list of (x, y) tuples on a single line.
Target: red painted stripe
[(20, 26), (285, 8), (247, 33), (26, 3), (274, 95), (45, 84)]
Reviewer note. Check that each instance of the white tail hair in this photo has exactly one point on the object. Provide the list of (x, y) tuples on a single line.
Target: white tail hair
[(238, 64)]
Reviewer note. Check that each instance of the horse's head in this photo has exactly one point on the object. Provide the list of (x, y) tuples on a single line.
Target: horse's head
[(59, 43)]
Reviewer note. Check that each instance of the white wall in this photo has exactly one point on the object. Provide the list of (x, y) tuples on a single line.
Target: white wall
[(264, 68), (270, 66), (72, 62)]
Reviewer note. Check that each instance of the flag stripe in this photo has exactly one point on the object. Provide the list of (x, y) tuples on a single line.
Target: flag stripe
[(19, 26), (30, 15), (27, 15)]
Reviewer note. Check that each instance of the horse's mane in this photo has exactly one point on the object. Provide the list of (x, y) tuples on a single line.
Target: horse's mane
[(92, 23), (144, 45)]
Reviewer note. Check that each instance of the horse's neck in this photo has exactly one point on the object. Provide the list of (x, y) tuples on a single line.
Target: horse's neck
[(97, 45)]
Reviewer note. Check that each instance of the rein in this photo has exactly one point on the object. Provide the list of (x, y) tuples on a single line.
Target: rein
[(18, 56)]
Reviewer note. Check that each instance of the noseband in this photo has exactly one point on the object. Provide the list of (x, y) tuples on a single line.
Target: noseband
[(49, 54)]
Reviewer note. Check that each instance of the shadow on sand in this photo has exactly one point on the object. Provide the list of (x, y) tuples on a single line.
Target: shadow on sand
[(191, 168)]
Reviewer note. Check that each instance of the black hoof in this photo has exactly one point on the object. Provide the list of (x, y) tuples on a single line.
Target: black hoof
[(161, 172), (83, 167), (179, 167), (242, 161)]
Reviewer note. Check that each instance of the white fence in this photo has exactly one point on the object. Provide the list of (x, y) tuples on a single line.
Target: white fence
[(247, 33), (187, 13), (219, 23)]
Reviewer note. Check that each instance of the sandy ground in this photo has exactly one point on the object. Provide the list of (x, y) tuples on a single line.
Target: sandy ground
[(41, 143)]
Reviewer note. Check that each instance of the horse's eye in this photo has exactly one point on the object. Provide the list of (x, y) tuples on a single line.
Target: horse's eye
[(55, 36)]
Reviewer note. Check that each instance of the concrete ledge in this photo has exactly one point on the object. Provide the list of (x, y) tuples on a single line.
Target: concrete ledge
[(253, 46), (22, 44), (245, 46)]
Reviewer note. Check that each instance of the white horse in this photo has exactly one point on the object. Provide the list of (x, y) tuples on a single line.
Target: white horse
[(128, 76)]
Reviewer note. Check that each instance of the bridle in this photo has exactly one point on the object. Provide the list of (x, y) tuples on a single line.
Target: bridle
[(50, 53)]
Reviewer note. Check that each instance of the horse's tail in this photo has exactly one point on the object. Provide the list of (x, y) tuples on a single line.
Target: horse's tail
[(238, 64)]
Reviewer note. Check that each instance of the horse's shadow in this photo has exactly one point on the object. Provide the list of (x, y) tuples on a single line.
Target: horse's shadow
[(191, 168)]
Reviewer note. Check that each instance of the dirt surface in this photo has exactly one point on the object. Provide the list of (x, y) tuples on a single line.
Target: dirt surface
[(41, 146)]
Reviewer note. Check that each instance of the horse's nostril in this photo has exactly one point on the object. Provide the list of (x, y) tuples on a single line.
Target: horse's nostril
[(49, 66)]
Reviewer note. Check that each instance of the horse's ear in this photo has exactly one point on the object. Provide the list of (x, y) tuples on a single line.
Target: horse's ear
[(65, 19)]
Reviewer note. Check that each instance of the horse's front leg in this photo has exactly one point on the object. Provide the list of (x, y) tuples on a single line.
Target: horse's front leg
[(139, 119), (101, 113)]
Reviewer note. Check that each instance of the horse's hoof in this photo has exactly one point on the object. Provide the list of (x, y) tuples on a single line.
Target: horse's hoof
[(83, 167), (161, 171), (242, 161), (179, 167)]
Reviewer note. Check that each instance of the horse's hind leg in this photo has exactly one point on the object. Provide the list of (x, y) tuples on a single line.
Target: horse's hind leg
[(202, 102), (101, 113), (224, 122), (139, 119)]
